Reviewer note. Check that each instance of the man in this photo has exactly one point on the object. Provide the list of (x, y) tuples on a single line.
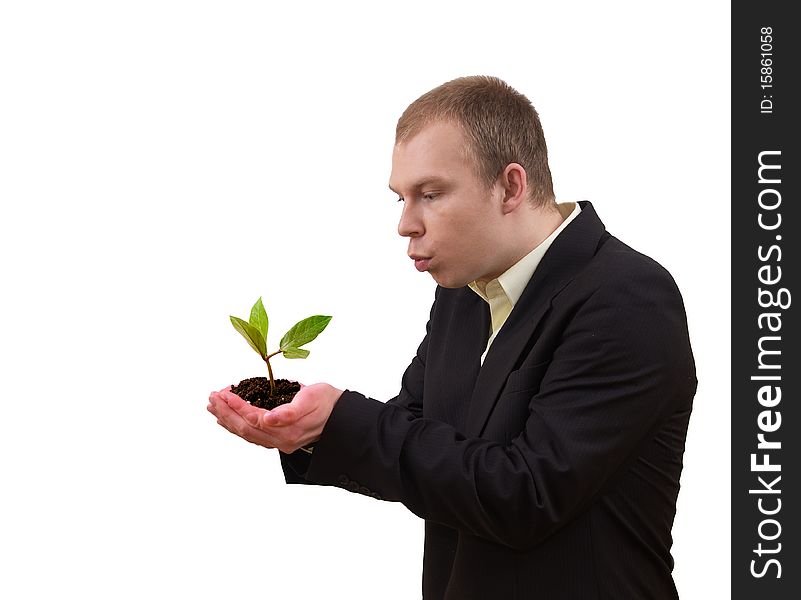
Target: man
[(540, 428)]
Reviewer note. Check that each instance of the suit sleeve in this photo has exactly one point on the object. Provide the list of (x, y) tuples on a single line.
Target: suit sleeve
[(296, 465), (622, 366)]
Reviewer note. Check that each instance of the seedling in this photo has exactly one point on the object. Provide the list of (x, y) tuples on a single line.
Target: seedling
[(254, 330)]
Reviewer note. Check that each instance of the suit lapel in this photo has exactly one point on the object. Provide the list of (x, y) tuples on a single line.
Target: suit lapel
[(568, 253)]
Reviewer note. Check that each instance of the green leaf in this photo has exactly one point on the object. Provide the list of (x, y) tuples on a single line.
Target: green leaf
[(296, 353), (258, 318), (303, 332), (251, 334)]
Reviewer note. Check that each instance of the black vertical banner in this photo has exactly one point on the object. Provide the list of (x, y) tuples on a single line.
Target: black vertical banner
[(766, 264)]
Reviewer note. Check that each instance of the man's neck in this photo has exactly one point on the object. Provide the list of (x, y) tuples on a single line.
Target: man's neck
[(534, 228)]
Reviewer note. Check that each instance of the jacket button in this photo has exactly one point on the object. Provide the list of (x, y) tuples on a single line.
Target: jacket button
[(343, 480)]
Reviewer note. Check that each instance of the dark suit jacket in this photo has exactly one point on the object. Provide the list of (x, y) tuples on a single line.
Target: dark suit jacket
[(552, 471)]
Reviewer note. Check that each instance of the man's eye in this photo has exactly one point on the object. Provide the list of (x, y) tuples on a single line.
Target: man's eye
[(431, 196)]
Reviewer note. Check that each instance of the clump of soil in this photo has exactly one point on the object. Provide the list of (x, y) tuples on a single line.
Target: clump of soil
[(256, 390)]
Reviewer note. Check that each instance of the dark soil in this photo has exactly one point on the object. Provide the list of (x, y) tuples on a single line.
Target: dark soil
[(256, 390)]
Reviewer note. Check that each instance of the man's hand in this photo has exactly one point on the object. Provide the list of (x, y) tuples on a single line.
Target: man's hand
[(286, 427)]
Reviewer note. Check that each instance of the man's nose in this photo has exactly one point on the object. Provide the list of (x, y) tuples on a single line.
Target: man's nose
[(409, 224)]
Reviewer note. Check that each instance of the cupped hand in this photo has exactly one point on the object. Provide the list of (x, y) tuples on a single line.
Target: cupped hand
[(243, 422), (286, 427)]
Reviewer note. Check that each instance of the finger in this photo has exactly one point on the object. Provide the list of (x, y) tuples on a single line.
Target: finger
[(247, 411), (214, 400), (281, 416), (246, 432), (286, 415), (227, 393), (233, 422), (271, 418), (232, 399), (222, 419)]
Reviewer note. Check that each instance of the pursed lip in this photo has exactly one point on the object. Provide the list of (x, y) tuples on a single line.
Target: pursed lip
[(421, 263)]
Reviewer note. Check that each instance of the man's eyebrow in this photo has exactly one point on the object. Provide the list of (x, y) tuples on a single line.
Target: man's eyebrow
[(425, 181)]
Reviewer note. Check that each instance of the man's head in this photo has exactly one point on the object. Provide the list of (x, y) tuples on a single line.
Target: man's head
[(499, 124), (470, 164)]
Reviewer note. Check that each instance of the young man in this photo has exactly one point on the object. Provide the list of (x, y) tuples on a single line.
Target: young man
[(540, 428)]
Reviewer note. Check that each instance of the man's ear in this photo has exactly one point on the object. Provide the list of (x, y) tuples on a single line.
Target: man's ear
[(515, 187)]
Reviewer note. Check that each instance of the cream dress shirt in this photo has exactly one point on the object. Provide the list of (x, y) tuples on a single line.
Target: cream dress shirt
[(503, 293)]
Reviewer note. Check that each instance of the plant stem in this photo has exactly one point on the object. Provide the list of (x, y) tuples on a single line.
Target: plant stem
[(270, 371)]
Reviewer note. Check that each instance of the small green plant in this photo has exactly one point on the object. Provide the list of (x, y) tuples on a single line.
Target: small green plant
[(255, 332)]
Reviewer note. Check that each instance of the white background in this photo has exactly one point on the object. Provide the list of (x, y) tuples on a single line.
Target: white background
[(163, 164)]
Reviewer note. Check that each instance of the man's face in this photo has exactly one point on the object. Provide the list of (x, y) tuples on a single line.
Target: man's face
[(451, 219)]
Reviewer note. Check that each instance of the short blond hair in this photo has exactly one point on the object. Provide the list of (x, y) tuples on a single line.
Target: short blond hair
[(500, 124)]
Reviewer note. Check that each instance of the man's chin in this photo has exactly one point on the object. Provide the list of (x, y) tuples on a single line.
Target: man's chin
[(446, 282)]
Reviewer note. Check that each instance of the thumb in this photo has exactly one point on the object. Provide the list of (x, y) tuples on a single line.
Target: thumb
[(281, 415)]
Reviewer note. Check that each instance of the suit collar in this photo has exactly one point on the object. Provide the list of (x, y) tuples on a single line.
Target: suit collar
[(568, 254)]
